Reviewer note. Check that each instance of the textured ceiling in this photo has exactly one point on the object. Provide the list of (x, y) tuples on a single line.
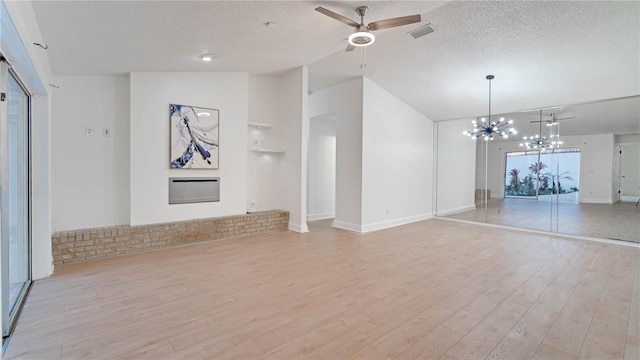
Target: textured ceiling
[(542, 53)]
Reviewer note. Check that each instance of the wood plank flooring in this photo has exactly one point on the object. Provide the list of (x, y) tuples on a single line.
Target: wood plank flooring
[(619, 221), (433, 289)]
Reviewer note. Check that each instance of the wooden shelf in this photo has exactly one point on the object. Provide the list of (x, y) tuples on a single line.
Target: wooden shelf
[(259, 125)]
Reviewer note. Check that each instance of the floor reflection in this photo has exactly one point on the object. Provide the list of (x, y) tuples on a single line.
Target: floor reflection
[(620, 221)]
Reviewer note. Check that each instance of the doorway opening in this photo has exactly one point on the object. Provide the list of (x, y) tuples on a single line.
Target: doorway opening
[(321, 170)]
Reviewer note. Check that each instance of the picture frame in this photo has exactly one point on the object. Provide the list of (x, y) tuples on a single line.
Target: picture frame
[(194, 137)]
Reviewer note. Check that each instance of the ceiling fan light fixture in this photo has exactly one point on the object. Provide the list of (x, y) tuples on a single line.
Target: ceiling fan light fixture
[(361, 38)]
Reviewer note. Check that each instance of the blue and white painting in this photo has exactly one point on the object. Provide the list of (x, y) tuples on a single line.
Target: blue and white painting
[(194, 137)]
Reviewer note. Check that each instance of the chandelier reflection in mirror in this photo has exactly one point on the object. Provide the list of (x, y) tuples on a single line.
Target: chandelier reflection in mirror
[(490, 129), (538, 141)]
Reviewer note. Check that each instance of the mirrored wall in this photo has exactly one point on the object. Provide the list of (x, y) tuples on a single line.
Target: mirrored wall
[(572, 169)]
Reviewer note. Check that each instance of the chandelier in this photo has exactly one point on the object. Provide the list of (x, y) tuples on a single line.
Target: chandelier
[(541, 142), (490, 129)]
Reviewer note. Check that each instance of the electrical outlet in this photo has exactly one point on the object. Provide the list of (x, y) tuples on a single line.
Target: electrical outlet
[(88, 131)]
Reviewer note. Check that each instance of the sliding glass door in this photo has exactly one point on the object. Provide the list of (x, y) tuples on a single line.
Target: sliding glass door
[(543, 175), (15, 198)]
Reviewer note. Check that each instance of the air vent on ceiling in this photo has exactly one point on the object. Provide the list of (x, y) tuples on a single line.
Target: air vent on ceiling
[(421, 31)]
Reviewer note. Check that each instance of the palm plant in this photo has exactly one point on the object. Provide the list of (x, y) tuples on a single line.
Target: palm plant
[(536, 169), (556, 181), (514, 182), (528, 185)]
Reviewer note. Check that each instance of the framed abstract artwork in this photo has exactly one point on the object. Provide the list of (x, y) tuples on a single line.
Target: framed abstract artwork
[(194, 137)]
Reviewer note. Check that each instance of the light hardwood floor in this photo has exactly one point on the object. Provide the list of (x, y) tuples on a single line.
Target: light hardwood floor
[(619, 221), (433, 289)]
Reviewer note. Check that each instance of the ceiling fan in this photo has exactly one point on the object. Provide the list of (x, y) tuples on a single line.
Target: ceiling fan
[(362, 35), (553, 121)]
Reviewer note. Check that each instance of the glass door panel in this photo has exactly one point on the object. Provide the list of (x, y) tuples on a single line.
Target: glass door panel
[(15, 203)]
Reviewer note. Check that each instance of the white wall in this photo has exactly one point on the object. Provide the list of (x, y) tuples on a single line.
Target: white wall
[(41, 255), (90, 174), (384, 156), (151, 94), (627, 139), (265, 104), (321, 191), (596, 166), (344, 103), (456, 167), (397, 162), (295, 120)]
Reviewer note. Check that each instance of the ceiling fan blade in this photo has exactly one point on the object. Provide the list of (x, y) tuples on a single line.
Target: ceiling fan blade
[(350, 47), (567, 118), (399, 21), (338, 17)]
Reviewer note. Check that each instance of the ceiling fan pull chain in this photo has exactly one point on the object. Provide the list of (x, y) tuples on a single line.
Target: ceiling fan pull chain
[(363, 65), (363, 58)]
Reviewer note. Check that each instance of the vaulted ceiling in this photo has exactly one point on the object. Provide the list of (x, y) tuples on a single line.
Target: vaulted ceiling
[(541, 53)]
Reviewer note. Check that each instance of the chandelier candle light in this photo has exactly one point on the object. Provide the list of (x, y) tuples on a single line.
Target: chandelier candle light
[(490, 129)]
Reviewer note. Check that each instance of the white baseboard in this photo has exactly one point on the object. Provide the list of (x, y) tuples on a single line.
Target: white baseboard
[(596, 201), (321, 216), (346, 226), (456, 210), (380, 225), (394, 222), (299, 228)]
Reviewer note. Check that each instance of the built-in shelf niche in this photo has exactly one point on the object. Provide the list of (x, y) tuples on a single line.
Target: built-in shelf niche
[(258, 148), (259, 125), (271, 151)]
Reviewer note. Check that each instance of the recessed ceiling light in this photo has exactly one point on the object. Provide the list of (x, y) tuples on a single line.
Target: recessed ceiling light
[(207, 57)]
